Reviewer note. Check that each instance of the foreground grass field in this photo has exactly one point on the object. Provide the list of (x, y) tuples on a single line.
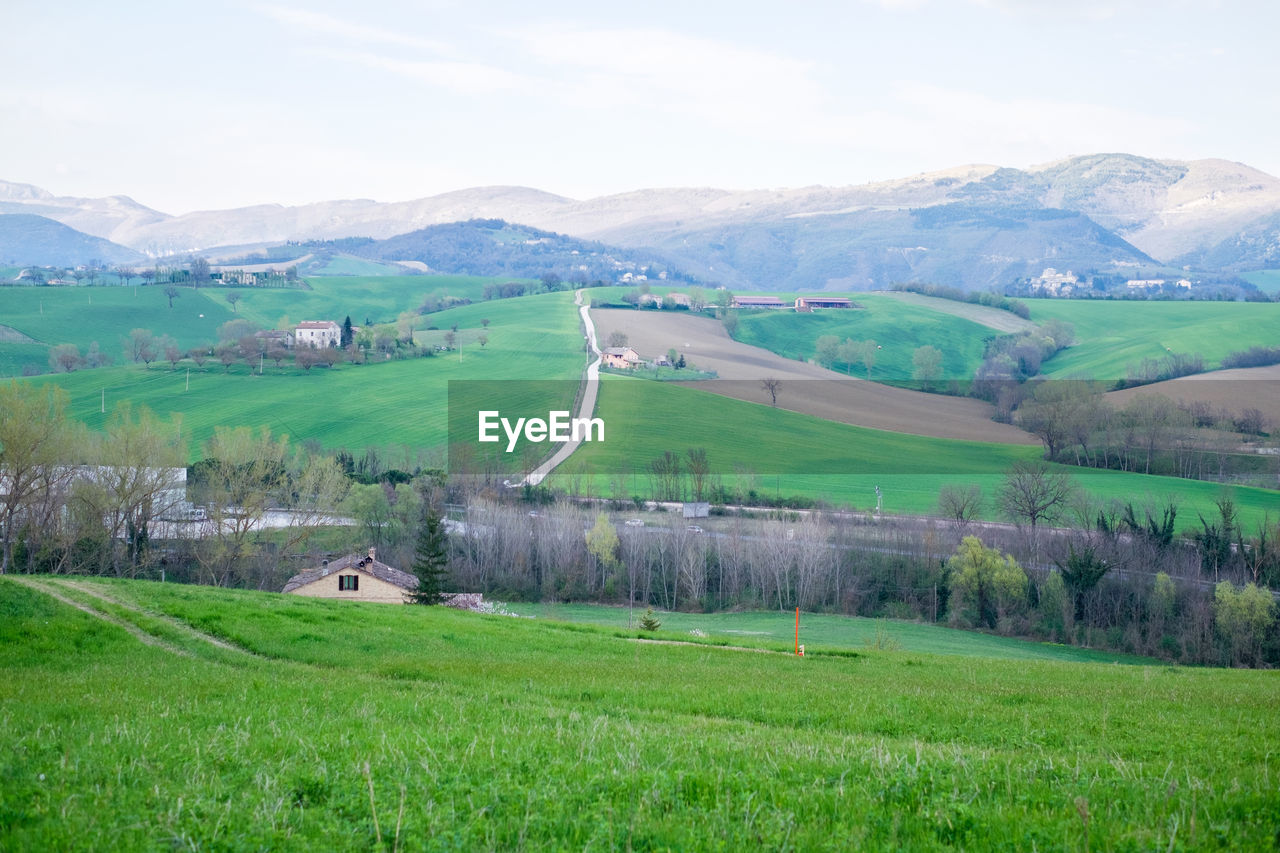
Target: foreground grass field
[(347, 726)]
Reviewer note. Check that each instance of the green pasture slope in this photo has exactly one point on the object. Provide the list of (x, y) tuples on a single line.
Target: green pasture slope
[(376, 298), (1111, 335), (900, 328), (394, 403), (782, 453), (81, 315), (354, 727), (823, 631)]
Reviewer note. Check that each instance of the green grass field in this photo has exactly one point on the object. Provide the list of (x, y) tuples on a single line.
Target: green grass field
[(395, 403), (821, 631), (781, 453), (1111, 335), (81, 315), (344, 726), (898, 327)]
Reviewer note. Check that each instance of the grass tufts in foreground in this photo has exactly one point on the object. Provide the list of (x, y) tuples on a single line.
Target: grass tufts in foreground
[(370, 726)]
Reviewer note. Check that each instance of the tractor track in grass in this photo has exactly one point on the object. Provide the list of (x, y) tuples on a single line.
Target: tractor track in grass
[(50, 588)]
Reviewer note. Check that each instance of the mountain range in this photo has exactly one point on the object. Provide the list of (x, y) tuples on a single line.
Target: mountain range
[(970, 226)]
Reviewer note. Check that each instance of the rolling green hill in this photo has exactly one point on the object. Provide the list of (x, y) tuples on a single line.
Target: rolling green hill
[(339, 725), (898, 327), (1111, 335), (778, 453), (389, 404), (81, 315)]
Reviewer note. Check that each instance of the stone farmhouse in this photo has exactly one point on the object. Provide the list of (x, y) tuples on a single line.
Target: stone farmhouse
[(621, 357), (362, 577), (355, 577), (317, 334)]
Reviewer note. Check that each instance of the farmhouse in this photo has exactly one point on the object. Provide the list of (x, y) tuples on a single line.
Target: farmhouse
[(317, 333), (275, 337), (808, 303), (356, 577), (623, 357), (759, 302)]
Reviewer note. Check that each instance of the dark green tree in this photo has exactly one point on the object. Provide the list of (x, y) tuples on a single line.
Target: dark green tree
[(431, 561), (348, 332)]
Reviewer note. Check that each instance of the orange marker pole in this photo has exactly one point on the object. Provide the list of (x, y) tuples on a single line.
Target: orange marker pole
[(797, 630)]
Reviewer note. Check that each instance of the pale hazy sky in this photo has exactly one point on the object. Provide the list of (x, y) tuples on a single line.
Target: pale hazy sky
[(187, 106)]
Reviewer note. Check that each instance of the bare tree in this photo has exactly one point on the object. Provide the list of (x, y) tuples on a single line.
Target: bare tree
[(142, 346), (171, 292), (961, 503), (1035, 492), (771, 385), (65, 358), (199, 271), (234, 298)]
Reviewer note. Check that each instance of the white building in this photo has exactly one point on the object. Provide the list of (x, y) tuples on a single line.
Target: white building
[(317, 333)]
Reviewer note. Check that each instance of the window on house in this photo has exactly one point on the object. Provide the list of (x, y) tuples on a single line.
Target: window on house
[(349, 583)]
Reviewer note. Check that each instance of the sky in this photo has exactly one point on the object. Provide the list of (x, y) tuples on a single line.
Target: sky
[(185, 106)]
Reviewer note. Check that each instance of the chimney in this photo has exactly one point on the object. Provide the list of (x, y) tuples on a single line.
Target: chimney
[(373, 554)]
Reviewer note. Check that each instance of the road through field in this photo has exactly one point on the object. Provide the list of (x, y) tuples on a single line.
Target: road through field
[(806, 388), (590, 390)]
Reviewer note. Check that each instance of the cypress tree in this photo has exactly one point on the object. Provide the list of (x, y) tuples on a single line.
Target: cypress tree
[(431, 561)]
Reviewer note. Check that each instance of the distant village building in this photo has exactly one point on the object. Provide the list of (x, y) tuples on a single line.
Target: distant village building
[(808, 303), (246, 279), (1055, 283), (621, 357), (678, 299), (651, 299), (759, 302), (1144, 283), (317, 333)]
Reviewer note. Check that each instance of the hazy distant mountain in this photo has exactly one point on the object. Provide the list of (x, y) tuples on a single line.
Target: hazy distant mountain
[(1084, 212), (492, 247), (26, 239)]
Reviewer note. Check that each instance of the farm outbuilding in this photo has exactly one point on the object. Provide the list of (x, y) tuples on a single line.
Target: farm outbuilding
[(808, 303), (759, 302)]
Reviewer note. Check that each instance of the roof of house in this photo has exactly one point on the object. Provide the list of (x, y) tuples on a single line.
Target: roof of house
[(758, 300), (317, 324), (831, 300), (358, 562), (620, 351)]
